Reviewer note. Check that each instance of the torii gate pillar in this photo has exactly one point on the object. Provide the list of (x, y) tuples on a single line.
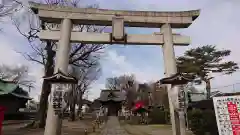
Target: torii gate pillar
[(170, 69), (53, 122)]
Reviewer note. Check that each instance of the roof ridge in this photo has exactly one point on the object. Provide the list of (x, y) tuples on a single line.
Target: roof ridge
[(7, 87)]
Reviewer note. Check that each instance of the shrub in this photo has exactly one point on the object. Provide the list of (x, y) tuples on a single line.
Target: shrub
[(134, 120), (202, 122), (19, 116), (158, 116)]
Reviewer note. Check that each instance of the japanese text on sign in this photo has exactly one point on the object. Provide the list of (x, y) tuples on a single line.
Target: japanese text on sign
[(227, 111), (182, 98), (57, 98)]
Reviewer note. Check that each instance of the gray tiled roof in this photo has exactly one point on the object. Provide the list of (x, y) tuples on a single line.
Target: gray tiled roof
[(198, 97), (202, 96), (117, 95)]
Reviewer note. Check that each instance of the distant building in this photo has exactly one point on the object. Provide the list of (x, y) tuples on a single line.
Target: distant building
[(143, 92), (86, 106), (96, 104), (198, 96), (160, 95), (204, 103), (32, 105), (12, 97)]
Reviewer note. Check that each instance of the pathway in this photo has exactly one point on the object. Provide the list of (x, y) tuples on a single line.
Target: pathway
[(113, 127)]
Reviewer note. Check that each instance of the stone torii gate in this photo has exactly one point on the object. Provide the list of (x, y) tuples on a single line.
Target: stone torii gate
[(118, 19)]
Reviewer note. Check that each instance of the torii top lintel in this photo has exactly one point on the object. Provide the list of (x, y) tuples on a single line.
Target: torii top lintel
[(91, 16)]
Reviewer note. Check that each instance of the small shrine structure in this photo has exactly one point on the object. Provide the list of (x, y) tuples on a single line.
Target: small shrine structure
[(112, 101)]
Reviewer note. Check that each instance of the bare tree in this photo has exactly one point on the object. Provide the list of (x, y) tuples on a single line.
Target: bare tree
[(87, 76), (18, 75), (44, 52), (120, 82), (8, 7), (125, 83), (113, 83)]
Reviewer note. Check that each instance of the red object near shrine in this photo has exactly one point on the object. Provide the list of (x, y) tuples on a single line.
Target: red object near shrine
[(139, 104), (139, 107), (2, 110)]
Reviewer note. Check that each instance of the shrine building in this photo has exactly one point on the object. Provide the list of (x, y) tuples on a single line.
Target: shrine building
[(111, 101), (12, 97)]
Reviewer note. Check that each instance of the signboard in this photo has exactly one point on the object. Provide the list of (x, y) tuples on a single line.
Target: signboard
[(182, 98), (57, 97), (227, 111)]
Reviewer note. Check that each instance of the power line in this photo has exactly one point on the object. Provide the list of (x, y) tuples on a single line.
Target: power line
[(226, 74), (226, 85)]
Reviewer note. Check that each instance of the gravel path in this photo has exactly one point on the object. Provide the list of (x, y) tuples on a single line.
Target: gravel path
[(113, 127)]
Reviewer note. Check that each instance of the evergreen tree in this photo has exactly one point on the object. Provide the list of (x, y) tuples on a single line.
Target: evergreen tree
[(202, 61)]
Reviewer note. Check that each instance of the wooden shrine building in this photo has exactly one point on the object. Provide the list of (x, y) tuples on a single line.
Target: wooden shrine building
[(112, 101), (12, 97)]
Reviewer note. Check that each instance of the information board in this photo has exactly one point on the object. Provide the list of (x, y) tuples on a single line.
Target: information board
[(227, 111), (57, 97)]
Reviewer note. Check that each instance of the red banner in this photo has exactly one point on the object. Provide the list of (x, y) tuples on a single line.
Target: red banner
[(234, 118)]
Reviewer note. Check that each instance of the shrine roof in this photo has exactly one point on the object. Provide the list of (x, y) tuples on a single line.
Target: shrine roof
[(60, 77), (8, 87), (178, 78), (111, 95)]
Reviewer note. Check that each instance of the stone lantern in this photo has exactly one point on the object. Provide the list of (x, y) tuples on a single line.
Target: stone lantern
[(60, 83), (178, 81)]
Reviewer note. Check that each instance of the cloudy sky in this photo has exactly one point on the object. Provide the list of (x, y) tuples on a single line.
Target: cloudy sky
[(218, 24)]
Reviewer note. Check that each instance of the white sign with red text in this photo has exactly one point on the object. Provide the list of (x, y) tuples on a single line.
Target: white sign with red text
[(227, 112)]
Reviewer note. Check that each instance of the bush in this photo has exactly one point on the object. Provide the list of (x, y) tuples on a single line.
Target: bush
[(19, 116), (202, 122), (158, 116), (134, 120)]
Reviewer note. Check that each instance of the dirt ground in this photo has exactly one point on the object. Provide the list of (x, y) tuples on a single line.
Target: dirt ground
[(69, 128), (78, 127), (150, 130)]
